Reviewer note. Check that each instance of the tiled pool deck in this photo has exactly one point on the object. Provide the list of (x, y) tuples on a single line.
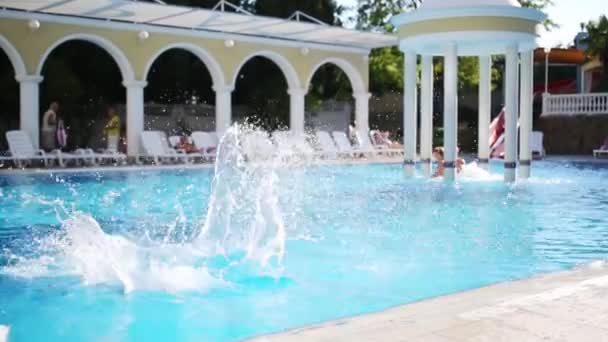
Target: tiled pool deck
[(566, 306)]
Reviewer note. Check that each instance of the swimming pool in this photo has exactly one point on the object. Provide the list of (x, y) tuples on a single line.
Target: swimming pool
[(135, 255)]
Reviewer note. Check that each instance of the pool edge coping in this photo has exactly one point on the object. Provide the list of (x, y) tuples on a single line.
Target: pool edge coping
[(455, 310)]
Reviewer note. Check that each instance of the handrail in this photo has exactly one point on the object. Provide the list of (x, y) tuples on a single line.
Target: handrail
[(575, 104)]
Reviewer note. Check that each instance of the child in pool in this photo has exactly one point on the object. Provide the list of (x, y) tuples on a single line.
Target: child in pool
[(439, 155)]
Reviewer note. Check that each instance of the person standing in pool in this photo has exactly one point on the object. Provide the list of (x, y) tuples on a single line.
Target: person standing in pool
[(439, 155), (112, 129)]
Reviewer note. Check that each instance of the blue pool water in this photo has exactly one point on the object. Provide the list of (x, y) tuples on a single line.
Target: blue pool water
[(140, 256)]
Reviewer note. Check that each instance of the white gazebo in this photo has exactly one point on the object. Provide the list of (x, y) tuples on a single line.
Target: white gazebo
[(469, 28)]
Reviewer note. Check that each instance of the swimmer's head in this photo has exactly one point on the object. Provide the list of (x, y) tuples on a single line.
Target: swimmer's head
[(438, 153)]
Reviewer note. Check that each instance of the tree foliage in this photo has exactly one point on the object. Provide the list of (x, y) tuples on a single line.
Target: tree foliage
[(597, 41)]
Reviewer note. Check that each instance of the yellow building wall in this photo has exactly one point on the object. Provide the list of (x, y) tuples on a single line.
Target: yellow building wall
[(32, 45)]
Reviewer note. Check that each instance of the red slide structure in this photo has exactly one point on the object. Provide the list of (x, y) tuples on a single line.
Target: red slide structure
[(497, 136)]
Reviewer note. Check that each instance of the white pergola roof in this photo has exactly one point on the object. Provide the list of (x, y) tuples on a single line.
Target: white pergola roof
[(134, 12)]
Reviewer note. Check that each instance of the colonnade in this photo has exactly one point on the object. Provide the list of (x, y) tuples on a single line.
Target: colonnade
[(518, 108), (30, 109)]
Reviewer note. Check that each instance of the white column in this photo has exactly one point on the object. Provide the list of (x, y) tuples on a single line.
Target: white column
[(426, 114), (362, 111), (223, 109), (527, 88), (450, 114), (410, 113), (135, 115), (511, 110), (485, 108), (296, 110), (29, 103)]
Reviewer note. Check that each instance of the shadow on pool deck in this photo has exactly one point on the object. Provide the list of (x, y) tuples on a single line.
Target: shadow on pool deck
[(565, 306)]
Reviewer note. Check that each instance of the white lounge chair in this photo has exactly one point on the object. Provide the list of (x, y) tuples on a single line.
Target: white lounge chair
[(156, 146), (366, 142), (602, 151), (599, 153), (326, 145), (174, 140), (22, 146), (182, 155), (22, 151), (100, 156), (206, 143), (536, 142), (345, 147)]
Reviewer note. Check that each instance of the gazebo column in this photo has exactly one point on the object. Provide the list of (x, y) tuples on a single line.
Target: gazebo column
[(296, 110), (485, 107), (511, 109), (29, 116), (410, 113), (135, 116), (223, 109), (362, 112), (450, 114), (426, 114), (527, 85)]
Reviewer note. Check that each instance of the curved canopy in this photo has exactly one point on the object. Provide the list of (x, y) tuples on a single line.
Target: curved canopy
[(196, 19)]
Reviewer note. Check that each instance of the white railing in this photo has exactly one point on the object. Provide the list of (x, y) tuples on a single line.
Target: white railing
[(575, 104)]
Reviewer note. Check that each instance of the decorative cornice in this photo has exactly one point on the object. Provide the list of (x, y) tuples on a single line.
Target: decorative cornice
[(29, 78), (469, 11), (223, 89), (134, 84)]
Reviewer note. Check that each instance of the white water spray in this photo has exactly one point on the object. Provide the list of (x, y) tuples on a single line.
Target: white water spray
[(243, 225)]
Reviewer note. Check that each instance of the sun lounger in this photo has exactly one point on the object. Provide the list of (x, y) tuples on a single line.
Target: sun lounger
[(366, 143), (174, 140), (99, 157), (183, 156), (599, 153), (327, 146), (343, 144), (538, 149), (206, 143), (602, 151), (156, 147), (22, 151)]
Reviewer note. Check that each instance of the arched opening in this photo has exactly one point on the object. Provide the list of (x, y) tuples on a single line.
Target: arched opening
[(179, 97), (85, 80), (9, 101), (329, 102), (261, 93)]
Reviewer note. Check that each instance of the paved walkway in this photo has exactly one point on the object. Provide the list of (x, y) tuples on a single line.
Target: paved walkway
[(567, 306)]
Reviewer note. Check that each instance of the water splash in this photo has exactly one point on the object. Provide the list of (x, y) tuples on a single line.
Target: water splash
[(473, 172), (244, 213), (4, 331), (243, 229)]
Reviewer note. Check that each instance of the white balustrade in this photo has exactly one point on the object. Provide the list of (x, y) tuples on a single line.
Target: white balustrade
[(575, 104)]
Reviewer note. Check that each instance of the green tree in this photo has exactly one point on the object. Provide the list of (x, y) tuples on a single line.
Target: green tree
[(597, 41), (328, 11)]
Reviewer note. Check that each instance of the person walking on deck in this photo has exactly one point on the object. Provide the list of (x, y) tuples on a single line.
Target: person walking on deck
[(49, 126), (112, 130)]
